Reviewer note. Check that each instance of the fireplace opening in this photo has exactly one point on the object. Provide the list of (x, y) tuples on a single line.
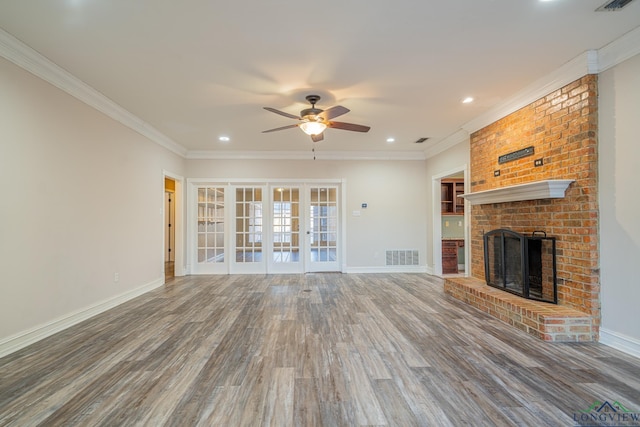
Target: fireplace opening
[(523, 265)]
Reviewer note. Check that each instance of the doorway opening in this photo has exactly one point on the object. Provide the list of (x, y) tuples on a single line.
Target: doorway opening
[(450, 223), (169, 228), (172, 226), (268, 227)]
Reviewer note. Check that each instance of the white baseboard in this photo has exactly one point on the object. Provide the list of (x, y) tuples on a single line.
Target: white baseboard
[(620, 342), (388, 269), (22, 339)]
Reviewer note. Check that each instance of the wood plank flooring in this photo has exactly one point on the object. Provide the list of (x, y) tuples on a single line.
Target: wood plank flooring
[(306, 350)]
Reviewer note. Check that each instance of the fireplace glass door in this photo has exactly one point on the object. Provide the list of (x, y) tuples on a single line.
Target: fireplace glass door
[(523, 265)]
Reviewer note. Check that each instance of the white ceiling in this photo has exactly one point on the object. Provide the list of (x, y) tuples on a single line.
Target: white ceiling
[(199, 69)]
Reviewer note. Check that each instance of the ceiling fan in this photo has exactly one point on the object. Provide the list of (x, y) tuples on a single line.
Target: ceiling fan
[(314, 120)]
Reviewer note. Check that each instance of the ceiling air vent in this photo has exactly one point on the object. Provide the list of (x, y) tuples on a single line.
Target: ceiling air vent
[(614, 5), (421, 140)]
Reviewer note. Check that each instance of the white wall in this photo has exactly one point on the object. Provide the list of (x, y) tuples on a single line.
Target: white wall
[(82, 199), (619, 180), (395, 192), (453, 159)]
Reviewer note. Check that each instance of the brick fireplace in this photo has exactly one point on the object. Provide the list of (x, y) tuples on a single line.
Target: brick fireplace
[(562, 129)]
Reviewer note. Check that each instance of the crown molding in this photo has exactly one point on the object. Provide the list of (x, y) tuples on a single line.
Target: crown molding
[(443, 145), (619, 50), (25, 57), (569, 72), (590, 62), (305, 155)]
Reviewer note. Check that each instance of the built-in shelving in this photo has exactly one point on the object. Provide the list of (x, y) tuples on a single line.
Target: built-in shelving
[(449, 199)]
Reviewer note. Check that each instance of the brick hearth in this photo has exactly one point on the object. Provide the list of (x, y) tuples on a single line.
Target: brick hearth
[(561, 129), (548, 322)]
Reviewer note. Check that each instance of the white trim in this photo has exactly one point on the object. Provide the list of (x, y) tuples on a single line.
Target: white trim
[(179, 212), (547, 189), (436, 181), (620, 342), (16, 342), (343, 225), (590, 62), (23, 56), (260, 181), (387, 269), (305, 155), (619, 50), (449, 142), (569, 72), (192, 267)]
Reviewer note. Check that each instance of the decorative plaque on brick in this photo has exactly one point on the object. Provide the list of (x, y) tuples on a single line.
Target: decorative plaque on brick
[(515, 155)]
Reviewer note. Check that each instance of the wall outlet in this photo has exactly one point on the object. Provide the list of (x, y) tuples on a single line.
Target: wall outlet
[(116, 277)]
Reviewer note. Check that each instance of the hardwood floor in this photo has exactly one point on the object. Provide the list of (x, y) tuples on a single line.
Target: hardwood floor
[(319, 349)]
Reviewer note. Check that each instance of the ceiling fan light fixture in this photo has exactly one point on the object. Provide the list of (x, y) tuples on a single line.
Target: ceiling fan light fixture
[(313, 128)]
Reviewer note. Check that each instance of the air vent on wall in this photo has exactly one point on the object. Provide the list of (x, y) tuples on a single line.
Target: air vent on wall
[(613, 5), (402, 257), (421, 140)]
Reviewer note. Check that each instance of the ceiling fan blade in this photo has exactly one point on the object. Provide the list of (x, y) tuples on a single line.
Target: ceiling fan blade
[(282, 113), (317, 138), (280, 128), (348, 126), (332, 112)]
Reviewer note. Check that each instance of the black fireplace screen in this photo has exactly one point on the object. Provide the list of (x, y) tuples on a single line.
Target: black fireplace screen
[(523, 265)]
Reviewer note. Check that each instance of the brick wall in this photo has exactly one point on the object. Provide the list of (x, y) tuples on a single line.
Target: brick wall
[(562, 128)]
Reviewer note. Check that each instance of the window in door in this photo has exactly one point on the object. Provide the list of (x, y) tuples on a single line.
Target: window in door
[(210, 225), (286, 225), (248, 233), (323, 224)]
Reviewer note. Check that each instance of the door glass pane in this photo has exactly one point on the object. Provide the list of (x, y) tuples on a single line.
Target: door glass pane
[(248, 237), (210, 225), (286, 225), (323, 224)]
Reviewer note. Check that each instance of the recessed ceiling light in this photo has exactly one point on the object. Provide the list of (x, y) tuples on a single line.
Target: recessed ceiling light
[(467, 100), (224, 139), (390, 140)]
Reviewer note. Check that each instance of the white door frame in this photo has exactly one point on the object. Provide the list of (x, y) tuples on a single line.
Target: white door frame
[(229, 184), (437, 220), (235, 267), (338, 265), (286, 267), (192, 227)]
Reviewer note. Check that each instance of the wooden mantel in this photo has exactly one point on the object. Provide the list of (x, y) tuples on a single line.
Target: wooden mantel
[(547, 189)]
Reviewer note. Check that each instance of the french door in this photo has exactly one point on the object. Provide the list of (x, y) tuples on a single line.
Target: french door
[(322, 231), (247, 242), (209, 246), (267, 228), (286, 244)]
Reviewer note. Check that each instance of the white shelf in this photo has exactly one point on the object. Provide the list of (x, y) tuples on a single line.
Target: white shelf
[(548, 189)]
